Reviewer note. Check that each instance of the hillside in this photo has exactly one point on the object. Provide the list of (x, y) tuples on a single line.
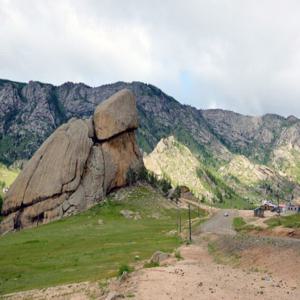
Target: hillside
[(237, 183), (30, 112), (91, 245)]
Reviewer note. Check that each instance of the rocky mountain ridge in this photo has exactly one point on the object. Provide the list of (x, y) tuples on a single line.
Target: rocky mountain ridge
[(29, 113)]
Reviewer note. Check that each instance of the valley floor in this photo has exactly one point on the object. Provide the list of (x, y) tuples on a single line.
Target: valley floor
[(215, 266)]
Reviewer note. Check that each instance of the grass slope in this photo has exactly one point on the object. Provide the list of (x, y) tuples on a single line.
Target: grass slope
[(79, 248), (291, 221), (7, 175)]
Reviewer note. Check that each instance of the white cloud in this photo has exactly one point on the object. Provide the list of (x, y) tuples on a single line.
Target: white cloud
[(238, 55)]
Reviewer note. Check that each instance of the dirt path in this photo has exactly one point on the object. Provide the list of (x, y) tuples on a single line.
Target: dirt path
[(219, 224), (198, 276)]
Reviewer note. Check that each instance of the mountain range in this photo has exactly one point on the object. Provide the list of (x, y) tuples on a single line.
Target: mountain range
[(240, 157)]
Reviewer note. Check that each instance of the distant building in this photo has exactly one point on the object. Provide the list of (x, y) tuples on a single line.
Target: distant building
[(292, 207), (268, 205)]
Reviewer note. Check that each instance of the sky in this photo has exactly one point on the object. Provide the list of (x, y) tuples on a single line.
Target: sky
[(232, 54)]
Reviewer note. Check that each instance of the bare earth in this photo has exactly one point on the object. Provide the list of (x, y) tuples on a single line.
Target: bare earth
[(264, 268), (199, 277)]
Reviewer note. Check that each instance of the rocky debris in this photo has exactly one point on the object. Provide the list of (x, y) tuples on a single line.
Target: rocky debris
[(159, 257), (73, 169), (128, 214)]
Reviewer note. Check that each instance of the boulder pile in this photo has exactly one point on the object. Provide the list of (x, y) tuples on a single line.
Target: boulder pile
[(76, 166)]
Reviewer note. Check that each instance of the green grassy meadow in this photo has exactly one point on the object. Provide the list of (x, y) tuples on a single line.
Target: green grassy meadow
[(80, 248)]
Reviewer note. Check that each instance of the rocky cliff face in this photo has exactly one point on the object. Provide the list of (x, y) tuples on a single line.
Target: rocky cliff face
[(76, 166)]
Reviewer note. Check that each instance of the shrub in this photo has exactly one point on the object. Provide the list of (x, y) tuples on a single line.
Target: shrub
[(124, 268), (163, 184), (238, 224)]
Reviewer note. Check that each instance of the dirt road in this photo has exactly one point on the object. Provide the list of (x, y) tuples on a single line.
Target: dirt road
[(220, 224)]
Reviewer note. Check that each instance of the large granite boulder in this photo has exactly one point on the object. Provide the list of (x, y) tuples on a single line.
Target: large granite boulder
[(116, 115), (76, 166)]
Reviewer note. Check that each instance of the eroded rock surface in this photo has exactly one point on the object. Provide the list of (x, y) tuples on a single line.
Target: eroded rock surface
[(74, 169)]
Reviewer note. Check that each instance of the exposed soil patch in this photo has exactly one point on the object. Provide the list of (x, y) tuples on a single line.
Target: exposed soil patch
[(198, 276)]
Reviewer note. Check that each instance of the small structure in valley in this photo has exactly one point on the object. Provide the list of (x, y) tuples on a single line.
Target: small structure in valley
[(259, 212)]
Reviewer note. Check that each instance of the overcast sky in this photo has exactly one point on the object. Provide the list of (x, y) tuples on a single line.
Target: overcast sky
[(233, 54)]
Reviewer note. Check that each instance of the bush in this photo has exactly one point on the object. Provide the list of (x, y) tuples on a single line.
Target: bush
[(163, 184), (238, 223), (124, 268)]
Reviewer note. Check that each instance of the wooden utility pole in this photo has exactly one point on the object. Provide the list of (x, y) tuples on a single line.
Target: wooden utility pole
[(179, 222), (178, 219), (190, 224)]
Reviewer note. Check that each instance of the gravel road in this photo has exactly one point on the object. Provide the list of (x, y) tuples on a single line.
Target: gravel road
[(220, 224)]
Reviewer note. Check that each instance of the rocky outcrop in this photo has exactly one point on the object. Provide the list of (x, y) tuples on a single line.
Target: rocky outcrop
[(76, 166)]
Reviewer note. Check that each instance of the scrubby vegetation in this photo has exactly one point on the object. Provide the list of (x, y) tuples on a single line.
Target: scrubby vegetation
[(240, 225), (291, 221), (124, 269), (151, 264), (162, 184), (224, 195)]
